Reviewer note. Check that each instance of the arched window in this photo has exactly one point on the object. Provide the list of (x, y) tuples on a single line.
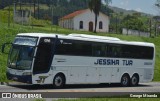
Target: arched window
[(100, 25), (81, 25)]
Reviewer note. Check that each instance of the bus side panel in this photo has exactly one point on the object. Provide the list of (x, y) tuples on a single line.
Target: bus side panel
[(148, 75), (105, 74), (82, 70), (75, 68)]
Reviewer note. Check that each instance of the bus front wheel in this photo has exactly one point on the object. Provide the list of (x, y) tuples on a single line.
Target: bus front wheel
[(59, 81), (125, 80)]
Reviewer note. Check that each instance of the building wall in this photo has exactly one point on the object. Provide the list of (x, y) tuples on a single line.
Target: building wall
[(135, 32), (67, 23), (21, 17), (86, 17), (89, 16)]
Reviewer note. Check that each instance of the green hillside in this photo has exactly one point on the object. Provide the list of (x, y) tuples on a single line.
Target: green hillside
[(126, 12)]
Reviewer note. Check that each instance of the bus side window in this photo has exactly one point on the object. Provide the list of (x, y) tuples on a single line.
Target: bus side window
[(73, 47), (95, 50), (98, 50), (114, 51)]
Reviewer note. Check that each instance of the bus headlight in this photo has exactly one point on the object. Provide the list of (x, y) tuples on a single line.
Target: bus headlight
[(27, 73)]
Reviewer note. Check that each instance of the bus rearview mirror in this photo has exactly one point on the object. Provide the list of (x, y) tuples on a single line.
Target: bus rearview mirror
[(6, 47)]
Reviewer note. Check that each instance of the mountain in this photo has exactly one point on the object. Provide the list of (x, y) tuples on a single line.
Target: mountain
[(126, 12)]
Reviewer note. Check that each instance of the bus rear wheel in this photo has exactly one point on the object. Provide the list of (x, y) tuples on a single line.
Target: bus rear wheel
[(134, 80), (125, 80), (59, 81)]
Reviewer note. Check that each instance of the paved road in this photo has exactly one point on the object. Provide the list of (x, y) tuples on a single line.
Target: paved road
[(84, 90)]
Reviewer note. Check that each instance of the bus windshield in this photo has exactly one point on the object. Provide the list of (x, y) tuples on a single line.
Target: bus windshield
[(21, 57), (22, 52)]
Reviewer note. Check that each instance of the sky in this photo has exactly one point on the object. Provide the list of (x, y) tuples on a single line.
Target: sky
[(146, 6)]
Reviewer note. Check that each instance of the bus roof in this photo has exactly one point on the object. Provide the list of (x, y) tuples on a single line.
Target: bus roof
[(94, 37), (85, 37)]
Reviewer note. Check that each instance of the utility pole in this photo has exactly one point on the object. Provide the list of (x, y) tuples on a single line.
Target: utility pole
[(22, 17), (127, 27), (116, 23), (13, 13), (34, 7), (0, 21), (30, 13), (51, 14), (38, 9), (20, 6), (150, 26), (9, 13), (155, 29)]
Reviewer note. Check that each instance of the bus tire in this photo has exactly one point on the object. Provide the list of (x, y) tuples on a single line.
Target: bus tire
[(134, 80), (125, 80), (59, 81)]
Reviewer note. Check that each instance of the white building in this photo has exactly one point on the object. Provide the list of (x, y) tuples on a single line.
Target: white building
[(84, 20)]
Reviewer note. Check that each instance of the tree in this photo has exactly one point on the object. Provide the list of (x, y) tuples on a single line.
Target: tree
[(133, 22), (157, 4), (95, 6), (4, 3)]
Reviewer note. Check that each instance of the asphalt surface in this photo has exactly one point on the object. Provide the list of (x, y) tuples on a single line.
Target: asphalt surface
[(74, 91)]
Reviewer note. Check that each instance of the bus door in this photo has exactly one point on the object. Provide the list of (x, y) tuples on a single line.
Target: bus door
[(42, 73)]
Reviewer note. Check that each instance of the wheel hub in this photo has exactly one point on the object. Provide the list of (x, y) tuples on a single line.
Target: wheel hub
[(58, 81)]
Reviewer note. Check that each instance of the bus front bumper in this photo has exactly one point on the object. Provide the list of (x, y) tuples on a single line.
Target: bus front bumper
[(19, 78)]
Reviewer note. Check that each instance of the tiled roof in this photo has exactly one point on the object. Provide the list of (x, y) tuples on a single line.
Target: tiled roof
[(71, 15)]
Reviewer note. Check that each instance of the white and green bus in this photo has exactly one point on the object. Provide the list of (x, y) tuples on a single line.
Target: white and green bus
[(38, 58)]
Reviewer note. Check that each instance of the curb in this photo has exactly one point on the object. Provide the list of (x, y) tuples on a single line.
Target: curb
[(4, 83)]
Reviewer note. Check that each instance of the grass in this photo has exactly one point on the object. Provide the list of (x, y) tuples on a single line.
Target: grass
[(4, 16), (110, 99)]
